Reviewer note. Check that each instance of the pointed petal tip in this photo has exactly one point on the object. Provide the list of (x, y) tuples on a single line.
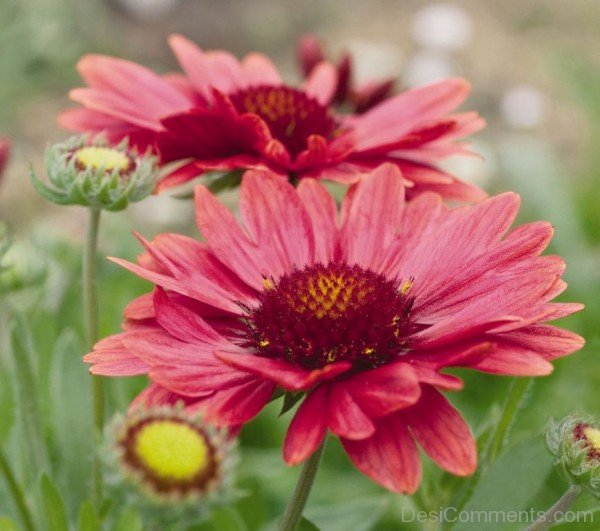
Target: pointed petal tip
[(460, 83), (176, 40), (87, 61)]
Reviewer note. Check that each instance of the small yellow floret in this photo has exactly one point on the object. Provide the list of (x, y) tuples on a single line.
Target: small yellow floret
[(405, 288), (592, 436), (102, 157), (172, 450)]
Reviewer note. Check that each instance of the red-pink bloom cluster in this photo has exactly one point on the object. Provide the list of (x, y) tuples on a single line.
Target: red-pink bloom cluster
[(225, 114), (361, 309)]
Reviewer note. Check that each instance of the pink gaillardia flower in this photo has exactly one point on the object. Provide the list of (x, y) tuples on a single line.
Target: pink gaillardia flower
[(356, 99), (227, 115), (360, 312)]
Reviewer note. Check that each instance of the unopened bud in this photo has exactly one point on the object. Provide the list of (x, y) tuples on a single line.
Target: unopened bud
[(94, 174)]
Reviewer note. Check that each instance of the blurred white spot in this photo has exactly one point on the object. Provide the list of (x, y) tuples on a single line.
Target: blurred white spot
[(523, 107), (161, 211), (426, 67), (443, 26), (148, 9), (375, 61)]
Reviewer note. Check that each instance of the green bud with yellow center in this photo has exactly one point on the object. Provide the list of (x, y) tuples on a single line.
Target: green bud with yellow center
[(575, 444), (172, 456), (91, 173)]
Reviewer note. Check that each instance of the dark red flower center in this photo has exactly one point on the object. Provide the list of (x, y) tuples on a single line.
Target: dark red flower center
[(290, 114), (328, 313)]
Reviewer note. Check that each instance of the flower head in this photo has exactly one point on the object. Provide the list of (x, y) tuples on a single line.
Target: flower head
[(91, 173), (347, 96), (575, 444), (173, 455), (356, 314), (228, 115)]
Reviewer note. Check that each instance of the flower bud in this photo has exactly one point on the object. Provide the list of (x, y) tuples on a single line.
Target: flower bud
[(173, 456), (575, 444), (94, 174), (20, 264)]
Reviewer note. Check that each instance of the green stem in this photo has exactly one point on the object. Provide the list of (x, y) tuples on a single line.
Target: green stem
[(495, 445), (556, 512), (514, 401), (17, 493), (293, 513), (90, 305)]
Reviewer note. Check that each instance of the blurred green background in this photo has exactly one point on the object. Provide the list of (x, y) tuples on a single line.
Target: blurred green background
[(535, 69)]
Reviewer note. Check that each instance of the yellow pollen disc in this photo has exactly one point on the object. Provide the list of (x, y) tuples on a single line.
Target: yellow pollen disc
[(330, 295), (172, 450), (592, 436), (102, 157), (267, 284)]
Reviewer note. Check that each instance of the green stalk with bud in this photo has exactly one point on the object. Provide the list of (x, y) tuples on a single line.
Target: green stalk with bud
[(89, 172)]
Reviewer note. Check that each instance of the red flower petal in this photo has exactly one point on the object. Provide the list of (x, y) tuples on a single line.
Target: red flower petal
[(227, 240), (390, 120), (389, 457), (442, 432), (283, 373), (207, 70), (277, 221), (381, 391), (322, 211), (308, 427), (321, 83), (371, 214), (345, 418)]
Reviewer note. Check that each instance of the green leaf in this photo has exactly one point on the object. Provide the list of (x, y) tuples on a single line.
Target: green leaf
[(223, 519), (54, 506), (7, 401), (129, 520), (253, 507), (289, 401), (226, 181), (306, 525), (6, 524), (88, 519), (509, 485), (359, 514), (23, 355)]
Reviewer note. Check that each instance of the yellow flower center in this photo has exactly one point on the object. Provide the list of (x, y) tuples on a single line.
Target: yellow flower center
[(172, 450), (105, 158), (592, 436)]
